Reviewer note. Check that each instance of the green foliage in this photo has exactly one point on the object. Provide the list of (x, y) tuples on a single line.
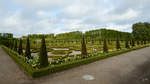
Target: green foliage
[(43, 58), (138, 43), (105, 47), (133, 43), (15, 45), (83, 50), (21, 63), (118, 44), (51, 69), (141, 31), (28, 52), (127, 44), (20, 50)]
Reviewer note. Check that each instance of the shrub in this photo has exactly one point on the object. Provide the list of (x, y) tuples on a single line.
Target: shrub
[(83, 50), (51, 69), (15, 45), (118, 44), (43, 58), (105, 48), (127, 44), (22, 64), (133, 43), (28, 52), (20, 51)]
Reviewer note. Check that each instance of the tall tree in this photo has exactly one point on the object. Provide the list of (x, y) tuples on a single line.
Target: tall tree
[(83, 50), (28, 52), (105, 47), (43, 58), (20, 50), (141, 31)]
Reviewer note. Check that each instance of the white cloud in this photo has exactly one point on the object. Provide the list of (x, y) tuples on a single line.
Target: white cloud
[(43, 3), (55, 16), (12, 20), (119, 27)]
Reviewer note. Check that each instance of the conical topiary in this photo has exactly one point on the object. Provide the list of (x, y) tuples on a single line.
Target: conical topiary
[(133, 43), (105, 48), (138, 43), (15, 45), (118, 44), (28, 52), (20, 50), (43, 58), (83, 50), (12, 44), (127, 44)]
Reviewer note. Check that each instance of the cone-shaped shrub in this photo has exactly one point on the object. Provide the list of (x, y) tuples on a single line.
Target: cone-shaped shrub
[(141, 42), (127, 44), (15, 45), (105, 48), (145, 42), (138, 43), (12, 44), (118, 44), (43, 58), (83, 50), (133, 43), (130, 42), (20, 50), (28, 52)]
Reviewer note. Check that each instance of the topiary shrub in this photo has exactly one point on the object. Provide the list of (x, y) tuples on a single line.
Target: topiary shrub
[(43, 58), (28, 52), (15, 45), (105, 48), (118, 45), (20, 50), (127, 44), (83, 50)]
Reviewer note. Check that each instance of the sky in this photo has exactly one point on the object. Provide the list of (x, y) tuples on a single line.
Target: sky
[(23, 17)]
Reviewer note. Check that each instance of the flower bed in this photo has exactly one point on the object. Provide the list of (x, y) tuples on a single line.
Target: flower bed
[(31, 65)]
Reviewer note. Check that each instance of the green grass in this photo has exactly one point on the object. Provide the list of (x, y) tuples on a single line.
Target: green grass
[(51, 69)]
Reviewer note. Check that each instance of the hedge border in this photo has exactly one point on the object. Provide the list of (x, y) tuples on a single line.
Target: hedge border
[(51, 69)]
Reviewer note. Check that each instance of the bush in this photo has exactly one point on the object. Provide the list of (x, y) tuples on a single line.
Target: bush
[(105, 47), (28, 52), (43, 58)]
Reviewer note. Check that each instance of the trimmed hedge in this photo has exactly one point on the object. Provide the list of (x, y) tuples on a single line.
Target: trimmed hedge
[(51, 69), (22, 64)]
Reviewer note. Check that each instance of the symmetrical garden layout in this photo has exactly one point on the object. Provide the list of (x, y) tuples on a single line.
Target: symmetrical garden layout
[(122, 69), (44, 54)]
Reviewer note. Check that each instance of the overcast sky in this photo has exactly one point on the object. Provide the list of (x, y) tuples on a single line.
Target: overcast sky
[(22, 17)]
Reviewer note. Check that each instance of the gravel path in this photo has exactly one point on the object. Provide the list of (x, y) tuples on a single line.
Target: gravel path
[(128, 68)]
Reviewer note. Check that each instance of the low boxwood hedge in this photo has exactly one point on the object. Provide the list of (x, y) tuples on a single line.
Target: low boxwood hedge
[(21, 63), (51, 69)]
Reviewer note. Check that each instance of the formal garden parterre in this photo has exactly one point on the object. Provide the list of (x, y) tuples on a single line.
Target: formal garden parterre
[(40, 54)]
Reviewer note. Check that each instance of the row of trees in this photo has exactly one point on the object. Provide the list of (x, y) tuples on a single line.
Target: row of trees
[(43, 58), (4, 37)]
